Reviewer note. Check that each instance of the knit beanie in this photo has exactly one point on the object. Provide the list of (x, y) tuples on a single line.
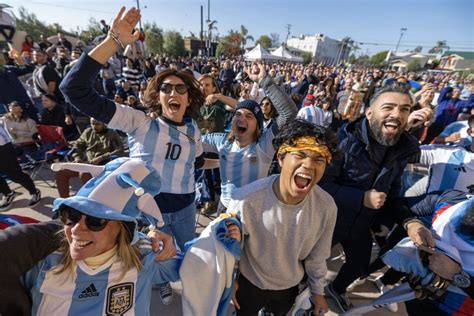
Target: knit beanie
[(253, 107)]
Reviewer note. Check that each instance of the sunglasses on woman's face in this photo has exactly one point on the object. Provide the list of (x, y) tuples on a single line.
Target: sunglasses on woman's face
[(71, 217), (180, 88)]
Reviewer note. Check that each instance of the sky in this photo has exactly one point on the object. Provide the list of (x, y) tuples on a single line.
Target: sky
[(375, 23)]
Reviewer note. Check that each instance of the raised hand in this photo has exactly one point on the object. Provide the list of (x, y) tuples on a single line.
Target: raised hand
[(123, 25)]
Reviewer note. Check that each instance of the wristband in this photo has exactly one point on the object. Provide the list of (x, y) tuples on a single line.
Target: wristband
[(116, 39), (412, 220)]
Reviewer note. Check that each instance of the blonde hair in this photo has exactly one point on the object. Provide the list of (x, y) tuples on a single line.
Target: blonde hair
[(129, 254)]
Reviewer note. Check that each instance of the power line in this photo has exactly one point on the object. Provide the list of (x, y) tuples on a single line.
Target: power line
[(69, 7)]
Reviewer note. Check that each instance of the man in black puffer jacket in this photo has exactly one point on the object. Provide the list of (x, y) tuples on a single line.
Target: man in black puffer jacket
[(365, 182)]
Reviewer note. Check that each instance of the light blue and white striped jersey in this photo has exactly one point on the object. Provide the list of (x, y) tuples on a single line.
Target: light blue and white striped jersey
[(461, 128), (170, 149), (97, 292), (450, 168), (5, 137), (240, 166), (312, 114)]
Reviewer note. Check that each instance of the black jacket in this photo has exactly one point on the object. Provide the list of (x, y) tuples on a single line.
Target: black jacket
[(363, 166), (21, 247)]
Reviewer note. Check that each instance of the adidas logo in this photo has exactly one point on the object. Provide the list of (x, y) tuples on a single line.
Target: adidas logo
[(90, 291)]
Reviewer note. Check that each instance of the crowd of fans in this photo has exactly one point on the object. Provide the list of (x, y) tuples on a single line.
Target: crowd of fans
[(403, 137)]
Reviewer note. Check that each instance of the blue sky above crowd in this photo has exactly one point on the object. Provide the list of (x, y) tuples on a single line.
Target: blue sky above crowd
[(374, 24)]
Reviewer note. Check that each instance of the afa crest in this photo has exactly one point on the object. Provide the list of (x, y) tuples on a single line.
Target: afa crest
[(119, 298)]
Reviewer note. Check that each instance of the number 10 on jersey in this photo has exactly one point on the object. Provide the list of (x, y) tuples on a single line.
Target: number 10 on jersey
[(173, 151)]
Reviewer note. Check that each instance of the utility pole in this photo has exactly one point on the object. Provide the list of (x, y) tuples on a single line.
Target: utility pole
[(402, 31), (140, 21), (288, 31)]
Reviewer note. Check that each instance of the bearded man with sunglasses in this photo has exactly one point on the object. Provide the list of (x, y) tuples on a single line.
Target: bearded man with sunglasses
[(171, 144)]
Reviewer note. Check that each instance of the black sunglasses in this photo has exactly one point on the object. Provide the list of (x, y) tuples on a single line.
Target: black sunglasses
[(180, 88), (71, 217)]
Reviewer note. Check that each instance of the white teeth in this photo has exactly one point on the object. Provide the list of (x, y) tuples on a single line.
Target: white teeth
[(80, 243), (302, 175)]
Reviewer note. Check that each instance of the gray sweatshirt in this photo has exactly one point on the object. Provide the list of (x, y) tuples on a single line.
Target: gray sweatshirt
[(281, 242)]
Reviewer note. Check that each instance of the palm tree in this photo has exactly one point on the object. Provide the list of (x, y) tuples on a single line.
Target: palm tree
[(440, 47), (244, 36)]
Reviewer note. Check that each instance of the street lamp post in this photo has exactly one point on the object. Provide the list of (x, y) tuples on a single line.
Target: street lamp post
[(402, 31)]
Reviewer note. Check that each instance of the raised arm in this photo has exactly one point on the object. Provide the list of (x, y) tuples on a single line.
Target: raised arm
[(282, 102), (78, 85)]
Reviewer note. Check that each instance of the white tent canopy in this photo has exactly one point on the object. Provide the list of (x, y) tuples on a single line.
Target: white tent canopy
[(258, 52), (283, 54)]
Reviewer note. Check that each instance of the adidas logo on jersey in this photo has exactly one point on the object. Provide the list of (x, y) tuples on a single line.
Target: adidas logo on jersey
[(463, 169), (90, 291)]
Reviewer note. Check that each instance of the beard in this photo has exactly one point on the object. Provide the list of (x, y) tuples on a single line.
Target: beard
[(382, 138)]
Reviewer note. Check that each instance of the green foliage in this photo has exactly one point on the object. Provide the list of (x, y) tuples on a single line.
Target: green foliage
[(244, 36), (414, 65), (439, 47), (265, 41), (306, 57), (230, 44), (378, 59), (275, 38), (30, 23), (220, 49), (417, 49), (93, 29), (173, 44), (153, 38)]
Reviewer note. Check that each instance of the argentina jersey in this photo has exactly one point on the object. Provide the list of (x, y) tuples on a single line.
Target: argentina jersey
[(102, 291), (311, 114), (170, 149), (240, 166), (4, 135), (450, 168)]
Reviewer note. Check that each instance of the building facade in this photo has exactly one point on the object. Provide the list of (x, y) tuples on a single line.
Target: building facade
[(322, 48)]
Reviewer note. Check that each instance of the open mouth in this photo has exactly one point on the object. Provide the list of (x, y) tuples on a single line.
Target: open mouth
[(392, 126), (241, 130), (174, 105), (80, 244), (302, 180)]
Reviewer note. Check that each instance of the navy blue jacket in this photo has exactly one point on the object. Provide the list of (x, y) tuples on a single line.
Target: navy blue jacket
[(362, 167)]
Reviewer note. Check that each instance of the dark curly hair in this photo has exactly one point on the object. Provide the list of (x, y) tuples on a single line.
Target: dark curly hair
[(195, 96), (300, 128)]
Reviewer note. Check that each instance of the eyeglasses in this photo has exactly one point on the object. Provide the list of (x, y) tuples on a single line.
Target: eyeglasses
[(266, 103), (71, 217), (167, 87)]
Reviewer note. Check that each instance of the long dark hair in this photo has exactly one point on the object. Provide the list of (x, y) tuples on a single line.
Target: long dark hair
[(195, 96), (23, 116)]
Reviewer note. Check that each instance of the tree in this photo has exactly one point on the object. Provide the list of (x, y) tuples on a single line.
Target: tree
[(439, 48), (414, 66), (417, 49), (378, 59), (264, 41), (94, 29), (275, 38), (306, 57), (173, 44), (30, 23), (244, 36), (230, 44), (153, 38)]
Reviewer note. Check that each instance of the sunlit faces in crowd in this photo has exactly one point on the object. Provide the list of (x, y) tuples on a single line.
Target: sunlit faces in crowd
[(174, 98), (388, 116), (207, 85), (86, 243), (244, 127), (300, 171)]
